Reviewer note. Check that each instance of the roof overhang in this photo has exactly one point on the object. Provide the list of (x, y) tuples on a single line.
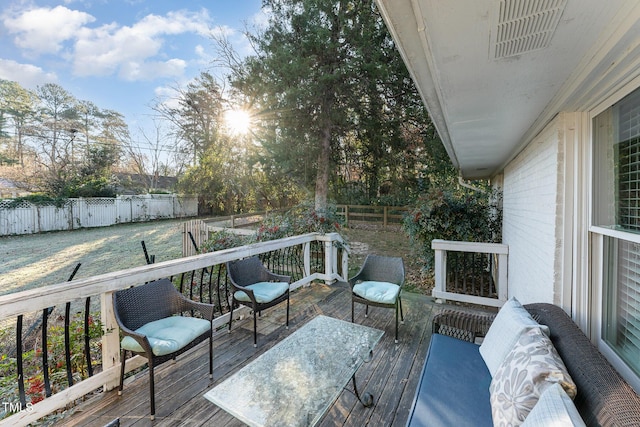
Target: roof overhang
[(493, 73)]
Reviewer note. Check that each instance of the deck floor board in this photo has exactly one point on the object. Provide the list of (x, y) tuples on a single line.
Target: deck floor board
[(391, 376)]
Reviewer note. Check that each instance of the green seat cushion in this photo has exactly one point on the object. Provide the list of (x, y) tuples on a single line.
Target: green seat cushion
[(169, 334), (263, 291), (381, 292)]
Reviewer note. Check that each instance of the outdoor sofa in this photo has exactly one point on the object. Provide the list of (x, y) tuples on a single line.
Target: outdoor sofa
[(455, 384)]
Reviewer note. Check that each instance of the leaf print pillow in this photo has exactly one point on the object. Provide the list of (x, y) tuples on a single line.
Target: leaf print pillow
[(531, 367)]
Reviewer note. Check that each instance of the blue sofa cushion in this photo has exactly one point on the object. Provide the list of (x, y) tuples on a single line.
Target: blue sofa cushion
[(454, 386)]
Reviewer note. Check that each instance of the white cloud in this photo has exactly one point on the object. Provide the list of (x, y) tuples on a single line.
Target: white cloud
[(168, 96), (134, 51), (44, 30), (27, 75), (221, 31), (260, 20), (176, 22), (150, 70)]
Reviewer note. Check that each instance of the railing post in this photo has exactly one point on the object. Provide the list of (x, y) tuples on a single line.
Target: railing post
[(329, 262), (345, 265), (307, 259), (346, 215), (503, 277), (385, 211), (110, 338), (440, 271)]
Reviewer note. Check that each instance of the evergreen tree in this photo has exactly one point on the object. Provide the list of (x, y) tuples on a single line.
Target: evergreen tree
[(336, 102)]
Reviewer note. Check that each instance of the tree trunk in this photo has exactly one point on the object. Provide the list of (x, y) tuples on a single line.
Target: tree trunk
[(322, 174)]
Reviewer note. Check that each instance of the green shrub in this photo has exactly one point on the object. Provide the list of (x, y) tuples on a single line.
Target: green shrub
[(38, 199), (32, 361), (224, 239), (300, 219), (459, 215)]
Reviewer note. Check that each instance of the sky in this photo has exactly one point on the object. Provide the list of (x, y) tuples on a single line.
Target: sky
[(121, 55)]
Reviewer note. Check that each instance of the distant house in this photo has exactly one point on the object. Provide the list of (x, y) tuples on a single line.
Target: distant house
[(132, 183), (543, 98), (9, 189)]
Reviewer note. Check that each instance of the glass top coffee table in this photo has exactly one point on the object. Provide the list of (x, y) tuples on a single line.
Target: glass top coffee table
[(296, 381)]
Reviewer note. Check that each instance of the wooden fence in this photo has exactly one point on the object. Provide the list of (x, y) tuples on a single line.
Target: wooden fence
[(27, 218), (384, 215)]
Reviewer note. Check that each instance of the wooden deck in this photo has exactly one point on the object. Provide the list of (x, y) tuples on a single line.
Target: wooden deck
[(391, 377)]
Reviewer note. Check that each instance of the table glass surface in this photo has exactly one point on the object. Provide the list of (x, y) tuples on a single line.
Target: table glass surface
[(296, 381)]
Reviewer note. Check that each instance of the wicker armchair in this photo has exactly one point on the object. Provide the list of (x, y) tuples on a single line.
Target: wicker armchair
[(379, 283), (256, 287), (147, 319)]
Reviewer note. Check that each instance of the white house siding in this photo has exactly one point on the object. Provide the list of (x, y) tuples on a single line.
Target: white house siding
[(533, 217)]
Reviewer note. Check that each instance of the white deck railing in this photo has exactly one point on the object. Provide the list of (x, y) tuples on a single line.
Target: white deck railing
[(35, 300), (496, 261)]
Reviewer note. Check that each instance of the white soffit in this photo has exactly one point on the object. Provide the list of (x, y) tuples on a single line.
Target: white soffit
[(492, 73), (525, 25)]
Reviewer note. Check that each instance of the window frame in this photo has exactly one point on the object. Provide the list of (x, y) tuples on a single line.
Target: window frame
[(597, 235)]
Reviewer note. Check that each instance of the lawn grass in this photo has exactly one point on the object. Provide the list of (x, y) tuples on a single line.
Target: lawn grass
[(390, 241), (36, 260)]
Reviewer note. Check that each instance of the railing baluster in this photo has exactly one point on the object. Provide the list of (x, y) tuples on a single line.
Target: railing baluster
[(20, 366), (226, 287), (218, 288), (45, 354), (201, 283), (87, 336), (67, 343), (146, 254), (209, 285), (454, 271), (474, 273), (191, 284), (181, 285)]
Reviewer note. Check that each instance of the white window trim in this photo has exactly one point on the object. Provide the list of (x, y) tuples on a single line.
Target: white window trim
[(581, 298), (596, 238)]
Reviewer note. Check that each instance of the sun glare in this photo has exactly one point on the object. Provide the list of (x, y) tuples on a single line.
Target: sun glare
[(238, 121)]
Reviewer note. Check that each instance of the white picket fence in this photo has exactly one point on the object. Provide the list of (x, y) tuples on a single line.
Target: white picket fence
[(27, 218)]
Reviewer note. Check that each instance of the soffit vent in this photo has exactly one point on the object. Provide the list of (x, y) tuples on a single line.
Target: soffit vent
[(526, 25)]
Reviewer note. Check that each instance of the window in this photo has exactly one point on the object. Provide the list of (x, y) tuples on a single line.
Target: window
[(617, 207)]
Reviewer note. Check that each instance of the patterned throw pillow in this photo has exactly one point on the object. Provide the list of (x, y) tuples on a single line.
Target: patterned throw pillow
[(530, 368), (511, 321), (554, 408)]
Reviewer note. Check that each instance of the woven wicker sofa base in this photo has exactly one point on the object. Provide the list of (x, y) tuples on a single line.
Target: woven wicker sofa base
[(604, 398)]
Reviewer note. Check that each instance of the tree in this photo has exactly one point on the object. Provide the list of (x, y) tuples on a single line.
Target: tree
[(299, 80), (61, 146), (17, 110), (197, 115), (55, 131), (337, 103), (146, 161)]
